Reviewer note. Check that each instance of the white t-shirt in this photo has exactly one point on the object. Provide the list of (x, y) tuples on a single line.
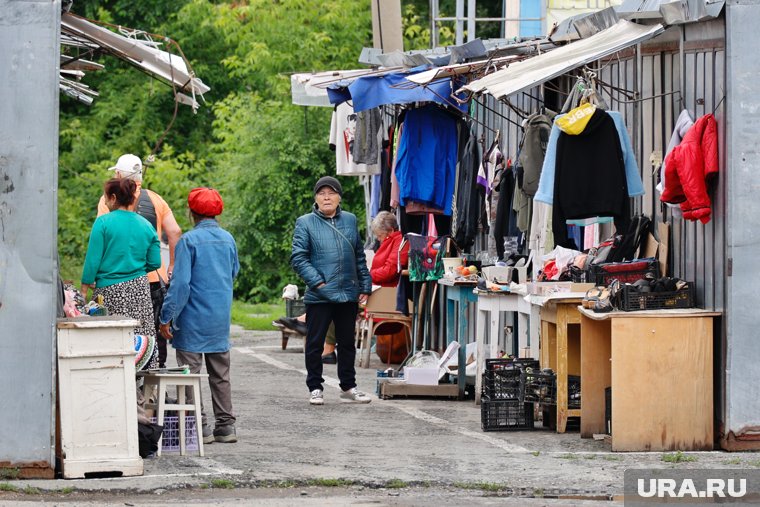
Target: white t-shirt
[(342, 130)]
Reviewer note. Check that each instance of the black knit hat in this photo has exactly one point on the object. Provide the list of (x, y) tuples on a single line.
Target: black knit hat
[(328, 181)]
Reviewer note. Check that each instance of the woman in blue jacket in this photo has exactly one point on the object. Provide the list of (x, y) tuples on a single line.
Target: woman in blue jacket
[(329, 256)]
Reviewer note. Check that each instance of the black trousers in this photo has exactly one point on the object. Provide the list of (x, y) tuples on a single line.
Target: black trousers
[(160, 340), (318, 319)]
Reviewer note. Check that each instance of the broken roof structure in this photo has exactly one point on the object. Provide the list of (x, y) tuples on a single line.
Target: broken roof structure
[(135, 47)]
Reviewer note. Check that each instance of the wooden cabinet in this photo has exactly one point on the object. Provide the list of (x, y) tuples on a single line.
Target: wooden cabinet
[(97, 397), (660, 367)]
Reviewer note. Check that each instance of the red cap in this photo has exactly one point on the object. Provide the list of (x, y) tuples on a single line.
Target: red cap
[(205, 201)]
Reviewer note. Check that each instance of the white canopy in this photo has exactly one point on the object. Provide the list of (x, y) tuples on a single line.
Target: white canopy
[(528, 73)]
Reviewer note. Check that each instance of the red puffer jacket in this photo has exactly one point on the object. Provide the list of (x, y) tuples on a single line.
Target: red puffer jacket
[(384, 270), (688, 167)]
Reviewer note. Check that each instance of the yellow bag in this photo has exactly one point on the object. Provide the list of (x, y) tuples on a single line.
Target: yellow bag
[(575, 121)]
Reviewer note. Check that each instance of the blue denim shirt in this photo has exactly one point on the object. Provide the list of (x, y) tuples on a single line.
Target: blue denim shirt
[(199, 300)]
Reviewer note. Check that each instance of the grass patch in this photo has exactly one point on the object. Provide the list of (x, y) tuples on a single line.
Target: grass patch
[(257, 317), (396, 484), (223, 484), (733, 461), (483, 486), (204, 485), (538, 493), (9, 473), (568, 456), (29, 490), (66, 491), (589, 456), (329, 483), (612, 458), (4, 486), (677, 457), (536, 453), (754, 463)]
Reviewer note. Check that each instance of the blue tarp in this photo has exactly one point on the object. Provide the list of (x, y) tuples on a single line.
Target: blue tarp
[(372, 91)]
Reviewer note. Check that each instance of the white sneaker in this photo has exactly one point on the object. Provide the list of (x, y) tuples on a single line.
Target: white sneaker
[(316, 397), (354, 396)]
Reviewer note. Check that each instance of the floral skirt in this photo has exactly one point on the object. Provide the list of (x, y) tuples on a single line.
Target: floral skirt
[(132, 299)]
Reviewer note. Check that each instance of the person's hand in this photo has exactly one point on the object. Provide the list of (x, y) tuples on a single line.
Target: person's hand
[(86, 288), (169, 271), (166, 330), (363, 299)]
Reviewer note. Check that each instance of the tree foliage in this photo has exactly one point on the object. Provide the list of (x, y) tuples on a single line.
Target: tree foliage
[(248, 140)]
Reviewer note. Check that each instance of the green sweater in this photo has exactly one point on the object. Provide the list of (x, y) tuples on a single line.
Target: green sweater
[(123, 246)]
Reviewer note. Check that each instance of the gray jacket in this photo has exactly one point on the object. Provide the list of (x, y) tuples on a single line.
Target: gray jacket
[(329, 250)]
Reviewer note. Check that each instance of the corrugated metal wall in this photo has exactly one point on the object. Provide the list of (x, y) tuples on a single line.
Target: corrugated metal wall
[(648, 91)]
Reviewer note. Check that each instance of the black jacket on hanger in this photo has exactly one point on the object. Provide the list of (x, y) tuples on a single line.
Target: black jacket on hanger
[(468, 199), (590, 178)]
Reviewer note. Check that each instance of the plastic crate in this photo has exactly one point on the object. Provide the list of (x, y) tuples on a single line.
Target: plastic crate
[(505, 415), (632, 300), (540, 387), (507, 363), (624, 272), (294, 307), (578, 275), (503, 384), (170, 438), (573, 391)]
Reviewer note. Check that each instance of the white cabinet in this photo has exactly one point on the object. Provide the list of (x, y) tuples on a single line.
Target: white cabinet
[(97, 396)]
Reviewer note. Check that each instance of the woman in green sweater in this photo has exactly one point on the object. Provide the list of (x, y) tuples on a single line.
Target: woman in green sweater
[(123, 248)]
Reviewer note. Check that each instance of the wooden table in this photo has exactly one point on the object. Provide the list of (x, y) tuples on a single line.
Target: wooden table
[(660, 367), (459, 295), (561, 347)]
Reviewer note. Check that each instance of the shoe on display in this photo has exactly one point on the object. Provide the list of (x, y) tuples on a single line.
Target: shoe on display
[(316, 397), (353, 395), (208, 435), (225, 434), (331, 358), (294, 324)]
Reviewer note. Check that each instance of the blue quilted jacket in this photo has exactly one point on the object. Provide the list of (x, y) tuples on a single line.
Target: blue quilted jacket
[(329, 250)]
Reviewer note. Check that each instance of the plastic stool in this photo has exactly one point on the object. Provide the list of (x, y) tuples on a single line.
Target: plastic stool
[(161, 381)]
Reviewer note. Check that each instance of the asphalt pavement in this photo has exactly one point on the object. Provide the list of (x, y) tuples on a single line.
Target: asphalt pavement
[(417, 447)]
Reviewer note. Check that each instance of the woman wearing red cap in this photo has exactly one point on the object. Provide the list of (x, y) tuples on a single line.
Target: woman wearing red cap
[(196, 312), (329, 256)]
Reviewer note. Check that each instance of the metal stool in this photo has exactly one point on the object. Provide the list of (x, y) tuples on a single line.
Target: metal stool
[(161, 381)]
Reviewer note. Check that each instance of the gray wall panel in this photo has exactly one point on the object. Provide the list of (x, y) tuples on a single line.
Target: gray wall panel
[(29, 36)]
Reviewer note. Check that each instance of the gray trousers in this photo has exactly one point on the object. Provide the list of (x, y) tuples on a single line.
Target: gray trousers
[(218, 369)]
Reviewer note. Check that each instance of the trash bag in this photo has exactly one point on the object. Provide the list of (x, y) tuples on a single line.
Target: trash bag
[(148, 436)]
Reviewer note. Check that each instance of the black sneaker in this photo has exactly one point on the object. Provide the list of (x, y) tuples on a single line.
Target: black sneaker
[(331, 358), (225, 434)]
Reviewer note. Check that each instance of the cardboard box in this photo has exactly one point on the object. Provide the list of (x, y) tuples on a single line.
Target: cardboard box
[(421, 376), (549, 288)]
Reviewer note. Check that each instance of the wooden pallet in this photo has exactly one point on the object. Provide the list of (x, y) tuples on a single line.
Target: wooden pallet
[(390, 390)]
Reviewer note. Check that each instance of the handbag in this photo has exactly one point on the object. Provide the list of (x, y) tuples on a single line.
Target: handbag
[(425, 257)]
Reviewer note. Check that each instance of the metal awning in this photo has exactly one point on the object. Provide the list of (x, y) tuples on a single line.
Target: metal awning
[(143, 54), (459, 69), (526, 74), (310, 89)]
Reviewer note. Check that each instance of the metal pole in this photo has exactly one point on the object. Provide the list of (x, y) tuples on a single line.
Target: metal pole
[(471, 14), (460, 22)]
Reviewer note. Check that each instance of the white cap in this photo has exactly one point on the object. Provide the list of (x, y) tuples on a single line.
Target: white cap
[(128, 165)]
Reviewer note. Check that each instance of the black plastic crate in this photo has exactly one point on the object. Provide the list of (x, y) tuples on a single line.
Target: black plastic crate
[(540, 387), (505, 415), (633, 300), (294, 307), (578, 275), (608, 409), (573, 391), (507, 363), (503, 384), (624, 272)]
